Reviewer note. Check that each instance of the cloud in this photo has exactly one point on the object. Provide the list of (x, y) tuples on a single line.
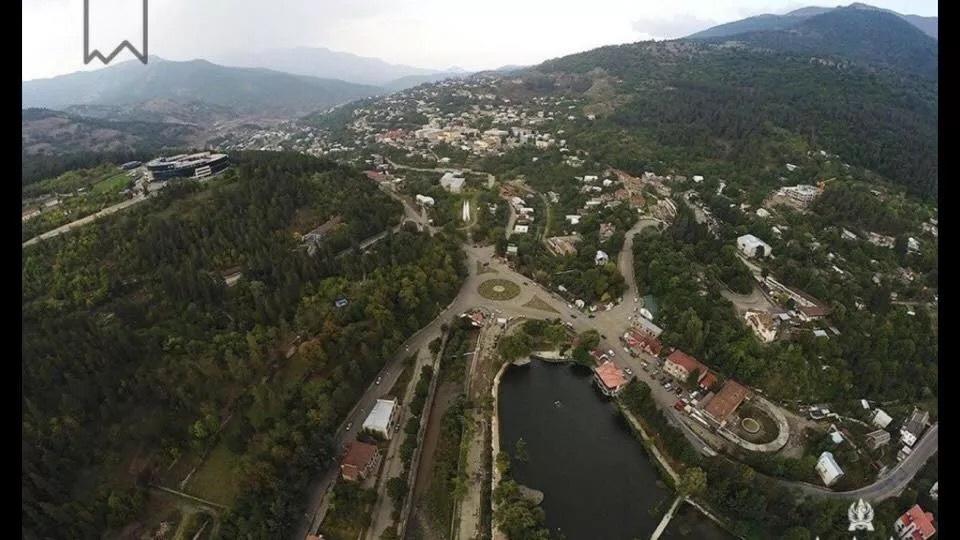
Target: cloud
[(672, 27)]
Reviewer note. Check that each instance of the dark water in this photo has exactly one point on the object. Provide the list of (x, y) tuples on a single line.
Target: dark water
[(597, 480), (690, 524)]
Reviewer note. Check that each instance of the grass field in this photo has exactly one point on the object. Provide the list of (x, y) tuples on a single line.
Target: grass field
[(111, 184), (498, 289), (538, 303), (216, 479)]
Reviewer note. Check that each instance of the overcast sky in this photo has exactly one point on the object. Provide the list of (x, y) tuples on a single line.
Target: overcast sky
[(425, 33)]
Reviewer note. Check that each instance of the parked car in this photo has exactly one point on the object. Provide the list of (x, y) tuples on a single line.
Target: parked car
[(379, 380), (349, 425), (678, 405), (611, 353)]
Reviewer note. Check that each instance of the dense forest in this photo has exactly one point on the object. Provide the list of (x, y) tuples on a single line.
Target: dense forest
[(696, 103), (146, 359)]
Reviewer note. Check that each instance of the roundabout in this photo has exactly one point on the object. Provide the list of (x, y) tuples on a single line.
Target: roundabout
[(498, 289)]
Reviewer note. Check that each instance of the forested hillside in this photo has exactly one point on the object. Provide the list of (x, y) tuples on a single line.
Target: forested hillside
[(747, 110), (138, 359)]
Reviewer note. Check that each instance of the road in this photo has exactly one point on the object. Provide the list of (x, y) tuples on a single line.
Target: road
[(85, 220)]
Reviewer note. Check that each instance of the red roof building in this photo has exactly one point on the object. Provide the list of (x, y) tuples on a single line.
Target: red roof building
[(610, 378), (915, 524), (726, 401), (638, 340), (708, 380), (680, 365), (360, 461)]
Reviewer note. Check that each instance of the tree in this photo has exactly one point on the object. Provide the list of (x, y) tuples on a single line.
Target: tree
[(693, 482), (397, 490)]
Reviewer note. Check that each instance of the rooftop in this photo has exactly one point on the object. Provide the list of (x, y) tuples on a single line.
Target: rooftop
[(922, 521), (379, 417), (359, 454), (686, 361), (611, 375), (727, 400)]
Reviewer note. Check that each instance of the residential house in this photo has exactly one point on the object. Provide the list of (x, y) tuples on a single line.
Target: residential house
[(512, 249), (880, 419), (763, 324), (360, 461), (828, 469), (876, 439), (601, 258), (646, 324), (915, 524), (914, 427), (638, 340), (452, 182), (521, 229), (423, 200), (752, 247), (562, 245), (708, 381)]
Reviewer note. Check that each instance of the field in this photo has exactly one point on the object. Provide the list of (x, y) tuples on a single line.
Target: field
[(499, 289)]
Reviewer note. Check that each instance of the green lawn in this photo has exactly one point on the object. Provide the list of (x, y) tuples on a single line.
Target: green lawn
[(112, 184), (216, 479)]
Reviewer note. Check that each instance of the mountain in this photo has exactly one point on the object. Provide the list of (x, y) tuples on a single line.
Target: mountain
[(159, 110), (324, 63), (46, 133), (738, 111), (769, 22), (863, 35), (410, 81), (245, 90)]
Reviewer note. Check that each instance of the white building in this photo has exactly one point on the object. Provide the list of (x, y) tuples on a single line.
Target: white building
[(382, 418), (452, 182), (828, 469), (425, 201), (697, 178), (881, 419), (601, 258), (574, 219), (521, 229), (751, 246), (802, 194)]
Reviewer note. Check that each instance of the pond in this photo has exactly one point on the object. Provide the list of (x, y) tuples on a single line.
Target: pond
[(597, 480)]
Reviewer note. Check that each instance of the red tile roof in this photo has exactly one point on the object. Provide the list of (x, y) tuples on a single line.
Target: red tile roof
[(358, 456), (923, 522), (727, 400), (639, 338), (687, 362), (708, 380), (813, 311), (611, 375)]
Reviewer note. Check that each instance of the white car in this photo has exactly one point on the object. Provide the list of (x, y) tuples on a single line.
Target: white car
[(379, 379), (611, 353), (349, 425)]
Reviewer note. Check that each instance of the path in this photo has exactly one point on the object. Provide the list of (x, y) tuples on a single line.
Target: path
[(666, 519), (85, 220)]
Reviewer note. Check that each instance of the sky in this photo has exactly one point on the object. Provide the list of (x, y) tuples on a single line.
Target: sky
[(425, 33)]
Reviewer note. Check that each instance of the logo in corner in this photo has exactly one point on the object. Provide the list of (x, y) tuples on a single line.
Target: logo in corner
[(860, 515), (90, 55)]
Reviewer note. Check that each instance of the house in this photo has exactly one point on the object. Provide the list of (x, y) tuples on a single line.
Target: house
[(915, 524), (880, 419), (828, 469), (360, 461), (520, 229), (762, 213), (646, 324), (708, 381), (763, 324), (914, 427), (812, 313), (573, 219), (802, 194), (876, 439), (610, 378), (382, 418), (903, 453), (680, 365), (512, 249), (423, 200), (601, 258), (562, 245), (751, 246), (475, 318), (935, 491), (697, 178), (639, 340), (452, 182), (726, 401)]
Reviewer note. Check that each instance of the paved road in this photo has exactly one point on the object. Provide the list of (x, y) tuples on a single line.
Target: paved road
[(85, 220)]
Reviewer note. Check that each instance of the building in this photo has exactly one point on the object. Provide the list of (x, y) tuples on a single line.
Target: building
[(198, 165), (382, 418), (610, 378), (520, 229), (878, 438), (828, 469), (512, 249), (573, 219), (802, 194), (915, 524), (452, 182), (601, 258), (751, 246), (562, 245), (725, 402), (680, 365), (914, 427), (360, 461), (423, 200), (646, 324), (935, 491), (880, 419), (639, 340), (708, 381)]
